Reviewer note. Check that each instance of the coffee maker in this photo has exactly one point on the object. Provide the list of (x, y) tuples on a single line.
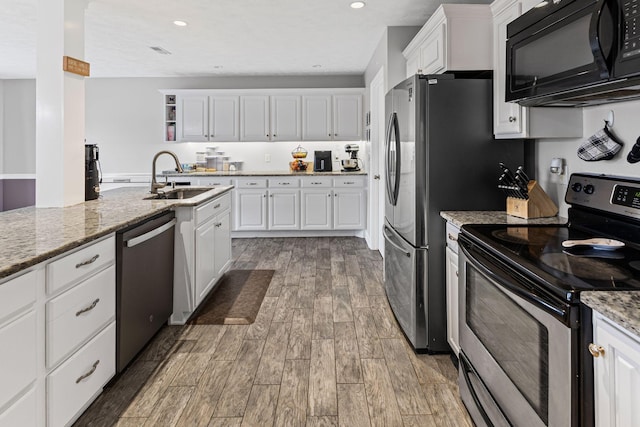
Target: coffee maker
[(92, 172)]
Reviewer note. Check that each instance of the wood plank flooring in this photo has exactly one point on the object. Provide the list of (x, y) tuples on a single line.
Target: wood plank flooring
[(325, 350)]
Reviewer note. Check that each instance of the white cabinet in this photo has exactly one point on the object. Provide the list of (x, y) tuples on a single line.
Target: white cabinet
[(286, 118), (616, 373), (510, 120), (316, 118), (202, 253), (208, 118), (284, 209), (457, 37), (254, 118), (250, 205), (224, 118), (317, 209), (349, 209), (451, 270), (332, 117)]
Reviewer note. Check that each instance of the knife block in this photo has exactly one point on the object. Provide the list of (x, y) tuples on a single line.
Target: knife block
[(538, 205)]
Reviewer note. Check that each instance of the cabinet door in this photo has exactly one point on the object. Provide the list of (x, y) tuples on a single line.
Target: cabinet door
[(286, 118), (317, 208), (193, 118), (18, 360), (222, 242), (224, 118), (284, 209), (616, 376), (432, 50), (254, 118), (250, 210), (452, 300), (508, 117), (205, 262), (347, 117), (316, 118), (348, 209)]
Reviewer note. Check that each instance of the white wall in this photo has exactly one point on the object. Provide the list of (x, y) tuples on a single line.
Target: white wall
[(18, 127), (1, 131), (125, 118), (625, 128)]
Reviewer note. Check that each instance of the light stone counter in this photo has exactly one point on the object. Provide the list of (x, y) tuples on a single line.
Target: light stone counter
[(240, 174), (460, 218), (31, 235), (623, 307)]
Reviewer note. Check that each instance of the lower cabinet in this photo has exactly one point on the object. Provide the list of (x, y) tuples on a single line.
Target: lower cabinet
[(202, 253), (306, 203), (616, 367), (451, 274)]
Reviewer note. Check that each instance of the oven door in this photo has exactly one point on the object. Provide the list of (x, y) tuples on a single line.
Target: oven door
[(516, 361)]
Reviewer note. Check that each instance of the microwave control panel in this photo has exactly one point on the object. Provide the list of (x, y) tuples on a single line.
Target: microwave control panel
[(631, 41)]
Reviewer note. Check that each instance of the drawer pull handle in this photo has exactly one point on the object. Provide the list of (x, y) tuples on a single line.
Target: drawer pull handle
[(456, 274), (91, 371), (216, 206), (89, 261), (252, 183), (349, 182), (91, 307), (452, 237), (284, 183), (219, 224), (316, 183), (596, 350)]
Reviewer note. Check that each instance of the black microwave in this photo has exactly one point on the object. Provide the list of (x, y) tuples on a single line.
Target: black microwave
[(574, 53)]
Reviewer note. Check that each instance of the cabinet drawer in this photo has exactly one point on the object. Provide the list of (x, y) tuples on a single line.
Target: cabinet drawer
[(74, 383), (348, 182), (22, 413), (252, 183), (212, 208), (18, 356), (284, 182), (80, 264), (214, 181), (17, 293), (317, 182), (452, 237), (79, 313)]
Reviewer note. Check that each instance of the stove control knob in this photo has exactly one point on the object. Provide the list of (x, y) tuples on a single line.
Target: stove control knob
[(576, 187), (589, 189)]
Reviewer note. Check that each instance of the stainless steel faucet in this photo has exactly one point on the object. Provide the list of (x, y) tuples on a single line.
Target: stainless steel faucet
[(155, 185)]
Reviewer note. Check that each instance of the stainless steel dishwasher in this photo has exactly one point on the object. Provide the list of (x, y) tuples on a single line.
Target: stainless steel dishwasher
[(144, 284)]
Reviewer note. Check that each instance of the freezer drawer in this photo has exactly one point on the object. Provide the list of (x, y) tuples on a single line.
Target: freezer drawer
[(405, 277)]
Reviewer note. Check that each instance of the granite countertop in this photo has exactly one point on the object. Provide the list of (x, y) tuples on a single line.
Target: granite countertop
[(31, 235), (623, 307), (264, 173), (460, 218)]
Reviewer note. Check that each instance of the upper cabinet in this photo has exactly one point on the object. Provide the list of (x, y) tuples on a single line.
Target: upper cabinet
[(510, 120), (204, 118), (259, 115), (457, 37)]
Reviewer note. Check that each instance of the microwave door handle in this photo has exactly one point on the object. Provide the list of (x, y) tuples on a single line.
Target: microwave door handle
[(596, 33)]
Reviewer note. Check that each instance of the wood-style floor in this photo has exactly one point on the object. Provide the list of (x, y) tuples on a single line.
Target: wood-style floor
[(325, 350)]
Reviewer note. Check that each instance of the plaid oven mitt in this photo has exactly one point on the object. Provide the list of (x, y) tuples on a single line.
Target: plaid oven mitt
[(602, 145)]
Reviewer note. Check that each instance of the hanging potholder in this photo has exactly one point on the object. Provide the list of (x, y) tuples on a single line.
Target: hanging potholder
[(602, 145)]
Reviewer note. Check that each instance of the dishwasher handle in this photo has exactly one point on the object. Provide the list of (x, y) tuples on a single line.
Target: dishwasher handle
[(149, 235)]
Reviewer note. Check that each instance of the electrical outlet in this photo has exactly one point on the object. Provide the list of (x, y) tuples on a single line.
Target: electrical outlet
[(336, 157), (267, 158)]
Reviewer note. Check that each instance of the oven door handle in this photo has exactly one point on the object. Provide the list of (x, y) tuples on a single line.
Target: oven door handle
[(554, 307), (467, 371)]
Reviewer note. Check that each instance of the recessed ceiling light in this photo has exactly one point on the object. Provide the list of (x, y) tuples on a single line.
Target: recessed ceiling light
[(357, 5), (180, 23)]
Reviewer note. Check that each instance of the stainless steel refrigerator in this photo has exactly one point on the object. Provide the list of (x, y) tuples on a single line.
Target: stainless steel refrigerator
[(440, 155)]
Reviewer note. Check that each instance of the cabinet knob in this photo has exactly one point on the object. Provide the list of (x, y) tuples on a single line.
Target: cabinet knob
[(376, 176), (596, 350), (274, 135), (271, 195), (329, 134), (329, 195), (452, 237), (512, 119)]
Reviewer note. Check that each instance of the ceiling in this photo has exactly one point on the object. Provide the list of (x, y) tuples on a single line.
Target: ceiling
[(223, 37)]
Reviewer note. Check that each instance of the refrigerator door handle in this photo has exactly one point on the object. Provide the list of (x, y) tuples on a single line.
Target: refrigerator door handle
[(394, 244), (393, 171)]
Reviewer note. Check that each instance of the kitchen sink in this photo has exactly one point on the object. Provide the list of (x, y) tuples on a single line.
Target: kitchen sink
[(179, 193)]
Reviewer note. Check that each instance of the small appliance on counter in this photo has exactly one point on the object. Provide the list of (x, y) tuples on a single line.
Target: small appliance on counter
[(92, 173), (351, 164), (322, 161), (299, 165)]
